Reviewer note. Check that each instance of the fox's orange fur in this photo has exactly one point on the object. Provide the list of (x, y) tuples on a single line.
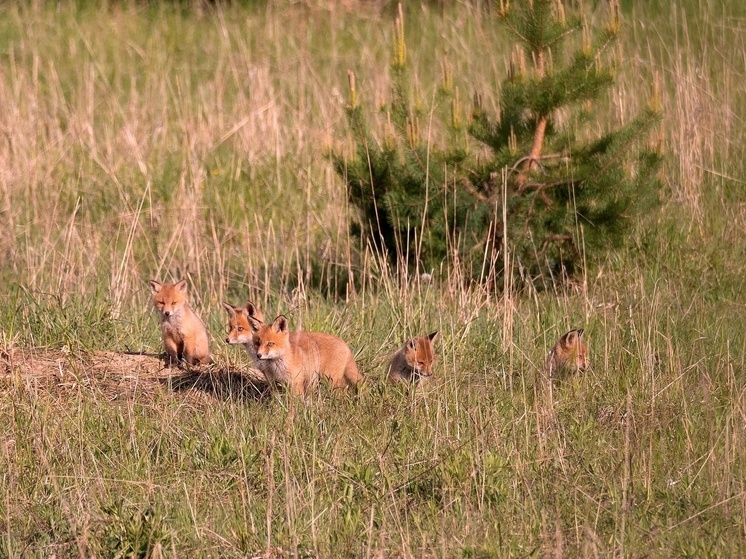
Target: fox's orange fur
[(239, 327), (414, 361), (184, 335), (569, 353), (297, 359)]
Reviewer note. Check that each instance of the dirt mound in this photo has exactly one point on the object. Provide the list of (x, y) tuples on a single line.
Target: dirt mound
[(124, 375)]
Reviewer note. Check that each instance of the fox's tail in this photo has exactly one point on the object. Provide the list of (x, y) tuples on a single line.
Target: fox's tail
[(352, 375)]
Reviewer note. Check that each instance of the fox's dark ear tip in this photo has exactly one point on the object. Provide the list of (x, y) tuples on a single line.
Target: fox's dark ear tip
[(580, 332), (280, 323), (569, 337), (255, 324)]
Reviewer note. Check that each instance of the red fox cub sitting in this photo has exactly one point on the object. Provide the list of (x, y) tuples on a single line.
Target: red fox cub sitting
[(184, 335), (296, 359), (414, 361), (569, 353), (239, 329)]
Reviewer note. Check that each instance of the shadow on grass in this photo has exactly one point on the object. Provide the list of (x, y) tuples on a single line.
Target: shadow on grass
[(218, 381)]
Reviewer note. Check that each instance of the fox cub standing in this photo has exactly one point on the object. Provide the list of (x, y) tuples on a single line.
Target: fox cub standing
[(414, 361), (184, 334), (239, 327), (298, 358), (569, 353)]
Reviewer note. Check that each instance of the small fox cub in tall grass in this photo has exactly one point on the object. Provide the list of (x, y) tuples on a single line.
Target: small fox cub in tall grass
[(570, 353), (184, 335), (297, 359), (239, 327), (414, 361)]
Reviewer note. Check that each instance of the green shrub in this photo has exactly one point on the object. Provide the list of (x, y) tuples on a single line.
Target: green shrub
[(525, 189)]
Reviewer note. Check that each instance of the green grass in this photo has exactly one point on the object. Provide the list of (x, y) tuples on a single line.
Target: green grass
[(169, 142)]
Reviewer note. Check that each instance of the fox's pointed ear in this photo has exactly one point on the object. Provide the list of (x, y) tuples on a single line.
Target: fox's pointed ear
[(181, 285), (571, 338), (280, 324), (580, 333), (410, 344), (432, 335), (252, 311), (155, 287), (229, 309), (255, 324)]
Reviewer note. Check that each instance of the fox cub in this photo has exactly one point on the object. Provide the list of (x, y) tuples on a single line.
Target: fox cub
[(184, 335), (296, 359), (239, 327), (569, 353), (414, 361)]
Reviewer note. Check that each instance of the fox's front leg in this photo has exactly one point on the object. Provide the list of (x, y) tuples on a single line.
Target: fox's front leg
[(172, 351), (188, 352), (298, 387)]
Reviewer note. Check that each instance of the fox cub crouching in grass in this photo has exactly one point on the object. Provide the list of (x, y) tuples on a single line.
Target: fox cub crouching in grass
[(569, 354), (184, 335), (297, 359), (414, 361), (239, 327)]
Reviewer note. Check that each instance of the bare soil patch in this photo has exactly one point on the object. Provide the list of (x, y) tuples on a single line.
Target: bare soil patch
[(124, 375)]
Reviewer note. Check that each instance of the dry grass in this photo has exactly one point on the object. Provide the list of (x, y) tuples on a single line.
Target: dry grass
[(155, 141), (134, 377)]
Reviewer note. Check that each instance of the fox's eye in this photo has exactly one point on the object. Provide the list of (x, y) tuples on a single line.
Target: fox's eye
[(240, 328), (173, 303), (270, 344)]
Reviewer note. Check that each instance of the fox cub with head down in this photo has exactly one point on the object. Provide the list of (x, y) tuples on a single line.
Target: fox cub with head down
[(239, 327), (298, 359), (570, 353), (184, 335), (414, 361)]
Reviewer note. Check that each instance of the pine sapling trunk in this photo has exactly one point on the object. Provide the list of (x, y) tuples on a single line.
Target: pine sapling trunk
[(535, 153), (541, 125)]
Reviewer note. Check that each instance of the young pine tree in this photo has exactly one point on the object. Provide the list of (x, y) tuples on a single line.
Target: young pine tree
[(542, 184)]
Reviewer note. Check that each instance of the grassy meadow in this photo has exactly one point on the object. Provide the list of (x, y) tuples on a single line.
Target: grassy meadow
[(166, 141)]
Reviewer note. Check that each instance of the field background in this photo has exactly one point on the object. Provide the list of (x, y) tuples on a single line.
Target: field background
[(172, 142)]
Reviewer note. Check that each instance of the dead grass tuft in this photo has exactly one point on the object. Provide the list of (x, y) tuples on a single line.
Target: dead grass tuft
[(125, 376)]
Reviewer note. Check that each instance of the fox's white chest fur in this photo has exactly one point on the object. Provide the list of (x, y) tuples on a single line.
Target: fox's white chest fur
[(171, 325)]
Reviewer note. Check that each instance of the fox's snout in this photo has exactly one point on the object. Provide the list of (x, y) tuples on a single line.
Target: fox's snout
[(581, 362), (232, 340)]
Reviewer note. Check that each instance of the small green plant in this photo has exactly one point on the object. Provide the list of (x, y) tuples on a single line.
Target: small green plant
[(133, 534), (522, 189)]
